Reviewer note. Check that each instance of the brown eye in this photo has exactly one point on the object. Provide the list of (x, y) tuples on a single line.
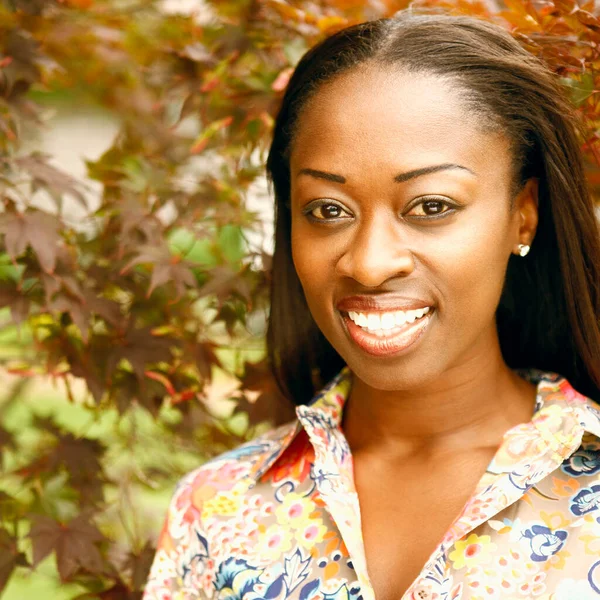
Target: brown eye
[(431, 208), (326, 212)]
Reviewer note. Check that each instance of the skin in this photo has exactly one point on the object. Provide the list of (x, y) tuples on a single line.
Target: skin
[(451, 394)]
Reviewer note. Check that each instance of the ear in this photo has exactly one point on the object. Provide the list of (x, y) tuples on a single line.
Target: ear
[(526, 209)]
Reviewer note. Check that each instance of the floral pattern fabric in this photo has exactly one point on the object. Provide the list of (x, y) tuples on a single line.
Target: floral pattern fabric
[(278, 517)]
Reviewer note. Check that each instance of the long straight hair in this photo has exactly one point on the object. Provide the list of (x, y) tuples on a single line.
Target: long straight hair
[(549, 312)]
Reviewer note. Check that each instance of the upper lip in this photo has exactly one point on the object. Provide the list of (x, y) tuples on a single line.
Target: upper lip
[(383, 303)]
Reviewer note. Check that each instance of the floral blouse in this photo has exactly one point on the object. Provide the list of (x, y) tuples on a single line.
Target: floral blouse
[(279, 516)]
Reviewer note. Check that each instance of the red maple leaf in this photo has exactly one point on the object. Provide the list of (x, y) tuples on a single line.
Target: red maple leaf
[(166, 268), (37, 229), (54, 181), (141, 347), (75, 544)]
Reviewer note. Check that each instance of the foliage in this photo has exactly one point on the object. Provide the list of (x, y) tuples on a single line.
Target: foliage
[(162, 286)]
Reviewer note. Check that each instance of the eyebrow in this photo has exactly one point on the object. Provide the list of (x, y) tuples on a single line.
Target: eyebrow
[(400, 178)]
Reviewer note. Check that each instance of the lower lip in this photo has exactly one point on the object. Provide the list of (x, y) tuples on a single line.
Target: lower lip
[(395, 343)]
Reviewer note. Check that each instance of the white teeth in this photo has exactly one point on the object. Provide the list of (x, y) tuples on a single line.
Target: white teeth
[(380, 323), (388, 321), (373, 322)]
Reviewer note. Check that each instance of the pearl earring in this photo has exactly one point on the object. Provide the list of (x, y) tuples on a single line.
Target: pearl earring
[(524, 249)]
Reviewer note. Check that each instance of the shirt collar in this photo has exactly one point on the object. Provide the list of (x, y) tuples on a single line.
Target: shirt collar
[(553, 390), (559, 411), (330, 401), (561, 417)]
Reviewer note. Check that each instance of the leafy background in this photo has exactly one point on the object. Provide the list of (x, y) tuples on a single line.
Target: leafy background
[(134, 300)]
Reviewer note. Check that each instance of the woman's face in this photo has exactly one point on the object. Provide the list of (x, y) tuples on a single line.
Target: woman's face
[(401, 225)]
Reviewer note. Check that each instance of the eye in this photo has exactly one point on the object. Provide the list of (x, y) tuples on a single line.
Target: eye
[(431, 208), (325, 211)]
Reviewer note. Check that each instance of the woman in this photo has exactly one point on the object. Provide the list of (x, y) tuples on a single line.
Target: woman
[(436, 248)]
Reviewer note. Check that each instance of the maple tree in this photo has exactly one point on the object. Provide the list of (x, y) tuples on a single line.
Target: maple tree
[(164, 284)]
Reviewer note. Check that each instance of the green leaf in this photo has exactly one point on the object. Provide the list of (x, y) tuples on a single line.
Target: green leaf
[(182, 242), (294, 50), (8, 270), (231, 243), (580, 90)]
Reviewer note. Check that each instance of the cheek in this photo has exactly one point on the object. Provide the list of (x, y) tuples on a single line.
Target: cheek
[(315, 265), (472, 264)]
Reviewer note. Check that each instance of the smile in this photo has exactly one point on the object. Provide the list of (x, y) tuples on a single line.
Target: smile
[(387, 323), (386, 333)]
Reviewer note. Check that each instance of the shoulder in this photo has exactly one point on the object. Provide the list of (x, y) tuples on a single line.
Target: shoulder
[(183, 562), (230, 474)]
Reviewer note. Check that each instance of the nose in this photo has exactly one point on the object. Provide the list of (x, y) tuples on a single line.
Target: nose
[(376, 253)]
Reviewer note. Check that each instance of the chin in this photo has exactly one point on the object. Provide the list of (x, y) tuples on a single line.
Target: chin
[(395, 376)]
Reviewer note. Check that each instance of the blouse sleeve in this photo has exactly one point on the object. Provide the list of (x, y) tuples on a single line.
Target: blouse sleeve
[(181, 568)]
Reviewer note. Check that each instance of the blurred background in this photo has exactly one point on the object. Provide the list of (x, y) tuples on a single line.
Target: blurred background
[(135, 241)]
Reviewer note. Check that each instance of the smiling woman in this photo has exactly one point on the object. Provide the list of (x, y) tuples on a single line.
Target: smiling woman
[(436, 273)]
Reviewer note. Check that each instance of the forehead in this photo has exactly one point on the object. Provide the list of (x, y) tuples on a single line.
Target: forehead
[(374, 115)]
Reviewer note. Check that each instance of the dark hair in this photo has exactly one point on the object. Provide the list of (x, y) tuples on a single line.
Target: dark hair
[(549, 312)]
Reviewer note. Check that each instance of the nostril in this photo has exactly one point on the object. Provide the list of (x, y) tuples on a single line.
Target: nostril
[(372, 267)]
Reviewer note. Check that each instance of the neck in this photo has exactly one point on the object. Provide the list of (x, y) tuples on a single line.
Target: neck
[(466, 407)]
